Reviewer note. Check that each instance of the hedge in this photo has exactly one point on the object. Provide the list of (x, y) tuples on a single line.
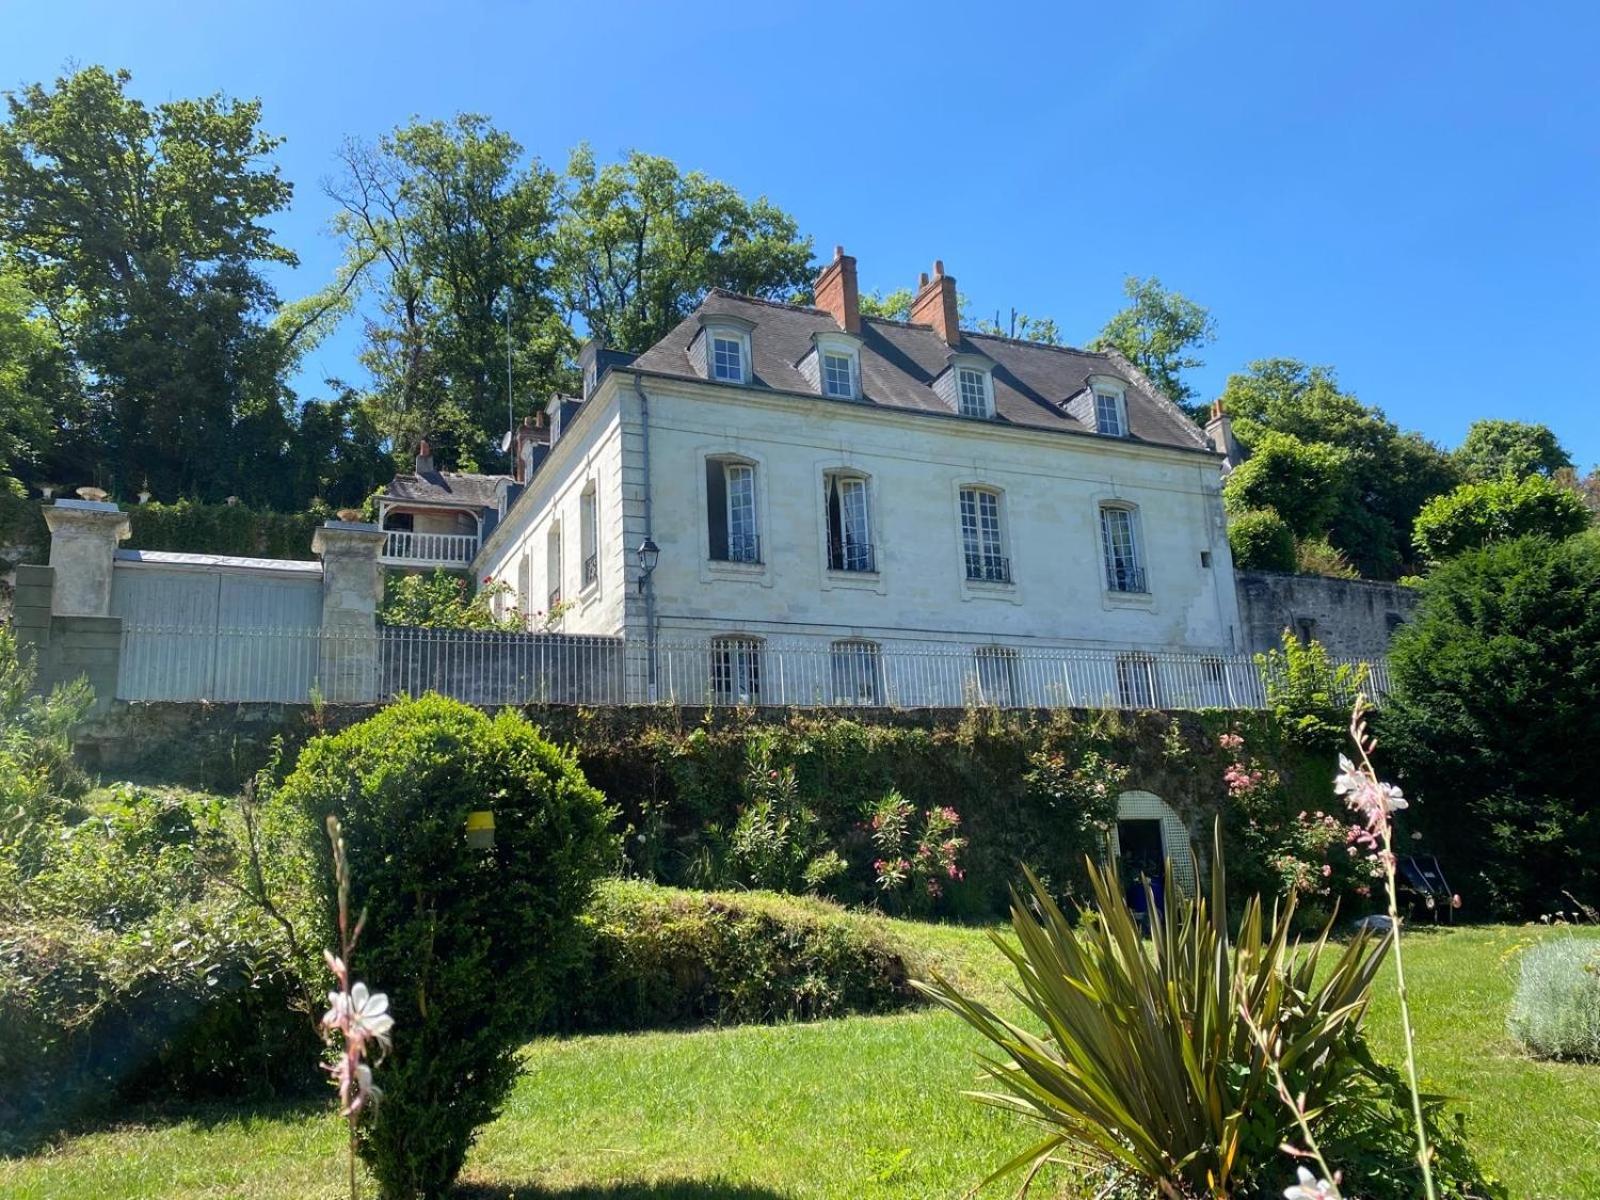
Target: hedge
[(186, 526), (658, 957)]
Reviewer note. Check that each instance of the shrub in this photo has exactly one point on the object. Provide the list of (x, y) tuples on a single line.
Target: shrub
[(1497, 510), (468, 942), (1556, 1011), (1308, 693), (1318, 556), (658, 957), (1261, 541), (198, 528), (128, 968), (1494, 723), (1302, 482)]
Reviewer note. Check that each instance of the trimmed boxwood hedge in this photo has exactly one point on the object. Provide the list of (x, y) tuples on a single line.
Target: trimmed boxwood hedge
[(658, 957)]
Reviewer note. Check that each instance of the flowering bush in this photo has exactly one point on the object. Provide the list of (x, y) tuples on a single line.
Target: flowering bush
[(1319, 857), (918, 855), (445, 600)]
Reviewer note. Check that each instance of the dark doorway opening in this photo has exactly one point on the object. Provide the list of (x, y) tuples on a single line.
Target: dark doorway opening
[(1142, 849)]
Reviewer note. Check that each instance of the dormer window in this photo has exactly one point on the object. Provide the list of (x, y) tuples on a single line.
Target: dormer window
[(972, 387), (833, 365), (838, 375), (722, 350), (967, 385), (727, 357), (1110, 412)]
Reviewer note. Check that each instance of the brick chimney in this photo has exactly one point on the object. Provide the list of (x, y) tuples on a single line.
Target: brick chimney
[(836, 292), (424, 458), (935, 304)]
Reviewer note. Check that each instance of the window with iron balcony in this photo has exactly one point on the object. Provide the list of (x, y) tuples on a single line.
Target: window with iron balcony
[(731, 513), (982, 537), (849, 523), (1119, 539)]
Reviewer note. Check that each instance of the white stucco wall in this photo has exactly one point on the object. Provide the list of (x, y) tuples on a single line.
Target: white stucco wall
[(1052, 486), (589, 451)]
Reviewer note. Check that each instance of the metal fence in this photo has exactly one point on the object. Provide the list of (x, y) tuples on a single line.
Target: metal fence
[(488, 667)]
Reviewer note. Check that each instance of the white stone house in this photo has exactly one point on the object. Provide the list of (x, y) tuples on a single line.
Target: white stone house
[(816, 484)]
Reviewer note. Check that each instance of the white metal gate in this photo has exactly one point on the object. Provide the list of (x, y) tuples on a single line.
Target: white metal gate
[(183, 615)]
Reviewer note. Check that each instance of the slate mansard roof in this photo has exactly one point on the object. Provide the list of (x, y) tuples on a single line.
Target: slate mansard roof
[(1033, 383), (447, 487)]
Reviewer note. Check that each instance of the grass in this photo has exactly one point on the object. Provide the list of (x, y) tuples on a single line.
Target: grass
[(865, 1107)]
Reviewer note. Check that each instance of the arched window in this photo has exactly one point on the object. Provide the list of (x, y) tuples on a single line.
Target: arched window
[(732, 519), (857, 673), (849, 515), (1119, 541), (736, 670), (552, 566), (983, 545)]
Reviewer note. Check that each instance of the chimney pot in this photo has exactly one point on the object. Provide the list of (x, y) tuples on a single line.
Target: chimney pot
[(935, 304), (836, 291)]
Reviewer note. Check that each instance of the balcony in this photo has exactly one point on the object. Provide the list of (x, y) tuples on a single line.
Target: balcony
[(741, 548), (451, 551), (988, 568), (851, 555), (1124, 577)]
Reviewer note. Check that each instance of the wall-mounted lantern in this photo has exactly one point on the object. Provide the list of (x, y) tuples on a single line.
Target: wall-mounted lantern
[(648, 553), (480, 830)]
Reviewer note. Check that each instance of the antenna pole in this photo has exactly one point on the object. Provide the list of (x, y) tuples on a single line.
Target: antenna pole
[(511, 416)]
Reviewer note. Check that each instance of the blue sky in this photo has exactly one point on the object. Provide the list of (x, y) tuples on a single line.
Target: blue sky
[(1408, 192)]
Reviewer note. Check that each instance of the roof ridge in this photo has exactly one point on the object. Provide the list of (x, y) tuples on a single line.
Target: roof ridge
[(1016, 341), (805, 308)]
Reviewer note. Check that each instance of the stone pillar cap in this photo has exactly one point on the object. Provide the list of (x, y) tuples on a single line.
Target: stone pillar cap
[(88, 505)]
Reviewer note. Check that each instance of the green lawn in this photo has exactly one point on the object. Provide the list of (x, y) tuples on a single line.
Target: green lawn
[(865, 1107)]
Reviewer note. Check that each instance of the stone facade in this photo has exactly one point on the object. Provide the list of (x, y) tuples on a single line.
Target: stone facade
[(65, 648), (1352, 618)]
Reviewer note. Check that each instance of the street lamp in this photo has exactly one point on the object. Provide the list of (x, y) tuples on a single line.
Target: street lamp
[(648, 553)]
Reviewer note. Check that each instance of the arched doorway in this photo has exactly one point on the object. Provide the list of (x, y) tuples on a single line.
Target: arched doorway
[(1149, 831)]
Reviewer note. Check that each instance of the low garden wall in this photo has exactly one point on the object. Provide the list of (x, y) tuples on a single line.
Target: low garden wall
[(681, 778)]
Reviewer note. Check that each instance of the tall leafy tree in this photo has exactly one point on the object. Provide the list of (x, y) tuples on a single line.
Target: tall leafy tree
[(1387, 475), (452, 232), (1158, 332), (641, 241), (140, 231), (1494, 449), (1497, 510), (33, 375)]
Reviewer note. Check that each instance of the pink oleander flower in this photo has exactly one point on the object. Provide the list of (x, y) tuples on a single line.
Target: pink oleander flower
[(1311, 1188), (1231, 741)]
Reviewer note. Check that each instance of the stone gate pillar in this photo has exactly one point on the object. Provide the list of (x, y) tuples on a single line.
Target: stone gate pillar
[(352, 586), (83, 547)]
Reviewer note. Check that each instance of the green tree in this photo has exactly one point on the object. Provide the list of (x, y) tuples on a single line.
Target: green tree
[(1303, 482), (32, 366), (1158, 332), (890, 306), (141, 231), (1261, 541), (1496, 448), (452, 233), (1494, 722), (1497, 510), (1028, 329), (1389, 475), (640, 242)]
